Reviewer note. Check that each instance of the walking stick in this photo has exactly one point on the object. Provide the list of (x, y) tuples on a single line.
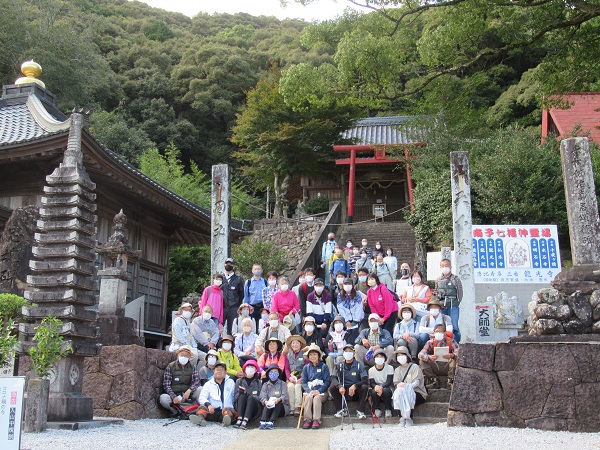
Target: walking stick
[(301, 411)]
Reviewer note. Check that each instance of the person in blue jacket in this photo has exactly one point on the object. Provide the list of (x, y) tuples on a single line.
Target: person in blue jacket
[(315, 382)]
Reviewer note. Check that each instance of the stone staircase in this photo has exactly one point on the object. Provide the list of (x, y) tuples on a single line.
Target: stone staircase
[(434, 410), (397, 235)]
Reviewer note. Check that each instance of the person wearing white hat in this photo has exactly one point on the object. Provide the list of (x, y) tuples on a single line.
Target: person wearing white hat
[(180, 381), (371, 339), (181, 333), (406, 331)]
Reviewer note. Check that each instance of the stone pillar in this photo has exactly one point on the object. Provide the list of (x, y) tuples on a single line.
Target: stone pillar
[(220, 207), (582, 205), (461, 217)]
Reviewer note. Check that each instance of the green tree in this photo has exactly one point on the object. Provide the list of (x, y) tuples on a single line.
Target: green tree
[(252, 251), (189, 271)]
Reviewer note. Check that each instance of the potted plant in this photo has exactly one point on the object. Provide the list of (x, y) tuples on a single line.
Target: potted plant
[(10, 313), (48, 350)]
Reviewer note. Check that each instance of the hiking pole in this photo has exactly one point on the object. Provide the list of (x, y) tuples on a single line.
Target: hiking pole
[(373, 415), (345, 402), (343, 396), (301, 411)]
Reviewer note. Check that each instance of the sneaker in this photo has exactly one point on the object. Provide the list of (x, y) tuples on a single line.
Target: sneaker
[(238, 423), (409, 422), (226, 420), (377, 413), (402, 422), (262, 425), (434, 384), (360, 415), (316, 424), (341, 413), (307, 424), (388, 413), (198, 419), (269, 426)]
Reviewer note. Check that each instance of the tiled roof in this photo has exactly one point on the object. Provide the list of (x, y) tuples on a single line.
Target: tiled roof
[(384, 130), (584, 113)]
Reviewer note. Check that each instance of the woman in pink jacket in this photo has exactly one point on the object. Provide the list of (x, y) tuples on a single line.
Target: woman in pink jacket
[(382, 302), (285, 300), (213, 296)]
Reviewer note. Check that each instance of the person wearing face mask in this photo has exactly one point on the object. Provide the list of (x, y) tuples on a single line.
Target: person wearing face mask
[(274, 355), (348, 249), (404, 281), (227, 356), (366, 249), (362, 287), (306, 288), (429, 321), (392, 263), (274, 397), (296, 361), (247, 395), (315, 384), (433, 365), (311, 334), (205, 331), (382, 302), (216, 399), (270, 289), (418, 294), (327, 250), (245, 342), (285, 301), (264, 320), (274, 330), (244, 312), (371, 339), (449, 290), (213, 296), (338, 286), (319, 306), (381, 382), (233, 293), (253, 290), (378, 249), (206, 372), (301, 280), (338, 264), (181, 333), (350, 307), (350, 381), (384, 272), (410, 387), (406, 331), (180, 381), (353, 257), (364, 262), (336, 341)]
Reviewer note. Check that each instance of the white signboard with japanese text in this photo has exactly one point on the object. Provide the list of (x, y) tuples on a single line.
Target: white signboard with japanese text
[(515, 253), (11, 411), (485, 323)]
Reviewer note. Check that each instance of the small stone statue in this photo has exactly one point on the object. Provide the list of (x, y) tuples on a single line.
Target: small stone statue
[(507, 310)]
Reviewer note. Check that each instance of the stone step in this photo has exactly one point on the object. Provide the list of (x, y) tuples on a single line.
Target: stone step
[(432, 409), (439, 395), (328, 421)]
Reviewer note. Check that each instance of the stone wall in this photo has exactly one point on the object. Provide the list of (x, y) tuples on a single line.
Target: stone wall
[(124, 381), (543, 382), (290, 235)]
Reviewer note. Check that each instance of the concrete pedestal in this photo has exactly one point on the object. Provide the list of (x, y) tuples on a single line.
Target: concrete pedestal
[(66, 401), (116, 330), (36, 405)]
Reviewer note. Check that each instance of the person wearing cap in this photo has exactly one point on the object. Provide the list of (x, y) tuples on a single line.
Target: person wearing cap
[(381, 382), (296, 361), (181, 333), (311, 335), (275, 329), (247, 395), (382, 302), (371, 339), (336, 341), (180, 381), (315, 383), (274, 397), (244, 312), (233, 291), (245, 342), (206, 372), (319, 306), (350, 307), (227, 356), (216, 399), (432, 365), (213, 296), (350, 381), (285, 301), (433, 318), (273, 355), (406, 331), (410, 388), (205, 331)]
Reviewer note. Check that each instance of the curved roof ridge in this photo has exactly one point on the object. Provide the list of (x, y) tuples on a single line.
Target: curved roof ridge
[(43, 118)]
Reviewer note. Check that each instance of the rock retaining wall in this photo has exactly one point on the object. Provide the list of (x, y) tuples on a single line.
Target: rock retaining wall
[(548, 383)]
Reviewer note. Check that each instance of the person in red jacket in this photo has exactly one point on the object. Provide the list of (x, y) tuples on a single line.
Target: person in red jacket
[(285, 301)]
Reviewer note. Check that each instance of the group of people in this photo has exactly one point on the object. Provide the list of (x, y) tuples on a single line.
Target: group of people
[(263, 349)]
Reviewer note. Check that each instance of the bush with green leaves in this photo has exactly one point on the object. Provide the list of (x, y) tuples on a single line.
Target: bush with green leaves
[(10, 306), (252, 251), (189, 271), (50, 346), (317, 205), (8, 342)]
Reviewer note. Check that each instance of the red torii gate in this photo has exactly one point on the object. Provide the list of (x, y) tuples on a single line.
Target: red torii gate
[(378, 157)]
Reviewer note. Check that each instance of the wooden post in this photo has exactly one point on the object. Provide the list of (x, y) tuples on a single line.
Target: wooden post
[(220, 208)]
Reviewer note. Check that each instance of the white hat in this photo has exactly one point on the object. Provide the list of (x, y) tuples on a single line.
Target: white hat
[(374, 316)]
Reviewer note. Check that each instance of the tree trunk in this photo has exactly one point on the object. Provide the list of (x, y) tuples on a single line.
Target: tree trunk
[(277, 207)]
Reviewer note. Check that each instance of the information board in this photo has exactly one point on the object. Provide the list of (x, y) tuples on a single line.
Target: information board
[(12, 390)]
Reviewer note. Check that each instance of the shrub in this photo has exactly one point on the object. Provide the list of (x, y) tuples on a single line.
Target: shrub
[(49, 346), (252, 252), (317, 205), (10, 306), (8, 342)]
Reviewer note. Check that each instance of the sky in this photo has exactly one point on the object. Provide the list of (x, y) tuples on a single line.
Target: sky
[(319, 10)]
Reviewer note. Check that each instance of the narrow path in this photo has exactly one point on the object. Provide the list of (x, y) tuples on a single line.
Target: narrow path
[(282, 439)]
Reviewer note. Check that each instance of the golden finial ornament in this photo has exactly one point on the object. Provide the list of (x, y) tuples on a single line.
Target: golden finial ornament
[(32, 71)]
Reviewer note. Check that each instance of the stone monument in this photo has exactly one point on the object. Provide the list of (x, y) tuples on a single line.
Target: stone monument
[(220, 207), (63, 277)]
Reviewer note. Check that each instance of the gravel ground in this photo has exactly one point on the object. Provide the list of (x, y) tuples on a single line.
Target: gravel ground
[(150, 434)]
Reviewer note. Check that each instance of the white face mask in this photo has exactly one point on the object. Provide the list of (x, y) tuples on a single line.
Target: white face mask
[(348, 356), (378, 247), (389, 253), (247, 329), (372, 282), (274, 323), (434, 311), (402, 359), (301, 280), (446, 270), (439, 336), (338, 326), (226, 346), (183, 360), (284, 287), (212, 360), (319, 289), (379, 361), (339, 280), (206, 315), (348, 288), (364, 243), (373, 325), (245, 312), (186, 314), (416, 280), (309, 328), (250, 371), (362, 278), (310, 278), (407, 315), (265, 317), (272, 282), (355, 251), (218, 282)]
